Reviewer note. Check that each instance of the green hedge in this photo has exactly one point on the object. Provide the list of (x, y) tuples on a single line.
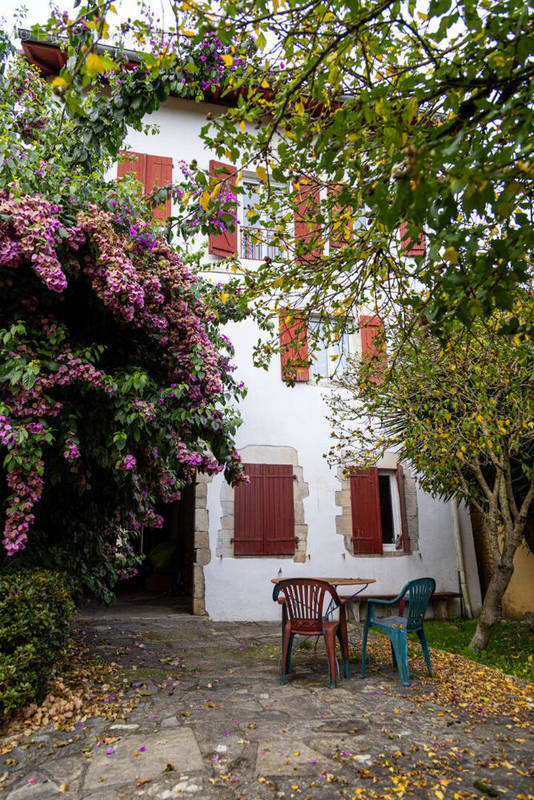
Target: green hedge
[(35, 611)]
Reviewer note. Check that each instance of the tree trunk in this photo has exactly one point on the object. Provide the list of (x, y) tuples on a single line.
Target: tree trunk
[(500, 579)]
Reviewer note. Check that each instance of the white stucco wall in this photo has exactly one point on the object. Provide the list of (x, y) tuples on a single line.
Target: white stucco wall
[(281, 416), (278, 415)]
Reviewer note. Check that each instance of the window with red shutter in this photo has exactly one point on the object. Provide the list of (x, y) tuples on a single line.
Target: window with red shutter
[(378, 505), (264, 517), (132, 163), (373, 345), (366, 520), (341, 220), (308, 244), (152, 172), (225, 242), (158, 174), (293, 346), (410, 248)]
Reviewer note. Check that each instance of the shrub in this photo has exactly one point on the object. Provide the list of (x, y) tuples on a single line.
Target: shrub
[(35, 610)]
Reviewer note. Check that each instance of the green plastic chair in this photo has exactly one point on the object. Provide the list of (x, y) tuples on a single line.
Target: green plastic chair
[(416, 594)]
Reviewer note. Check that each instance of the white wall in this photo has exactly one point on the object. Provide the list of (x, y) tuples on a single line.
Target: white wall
[(278, 415)]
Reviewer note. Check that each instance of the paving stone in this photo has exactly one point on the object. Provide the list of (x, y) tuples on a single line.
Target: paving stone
[(127, 761), (40, 788), (66, 769), (278, 756), (169, 722)]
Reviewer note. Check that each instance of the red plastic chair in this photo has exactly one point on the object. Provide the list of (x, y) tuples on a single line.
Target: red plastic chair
[(306, 610)]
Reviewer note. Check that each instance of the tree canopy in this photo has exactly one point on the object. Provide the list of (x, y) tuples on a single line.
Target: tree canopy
[(407, 114)]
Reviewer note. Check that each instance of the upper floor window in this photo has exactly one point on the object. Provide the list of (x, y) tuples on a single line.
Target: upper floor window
[(256, 242), (328, 359)]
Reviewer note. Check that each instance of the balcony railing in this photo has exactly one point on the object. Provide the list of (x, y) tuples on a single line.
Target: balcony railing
[(256, 244)]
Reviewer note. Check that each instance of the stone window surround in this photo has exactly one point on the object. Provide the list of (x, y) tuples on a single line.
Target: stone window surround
[(344, 520), (265, 454)]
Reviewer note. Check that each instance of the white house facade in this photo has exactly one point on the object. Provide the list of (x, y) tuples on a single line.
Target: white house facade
[(297, 517), (222, 547)]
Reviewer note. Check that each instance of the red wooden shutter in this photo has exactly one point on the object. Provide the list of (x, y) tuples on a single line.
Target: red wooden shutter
[(264, 521), (339, 236), (401, 480), (159, 173), (248, 514), (308, 245), (223, 244), (371, 328), (365, 504), (133, 162), (278, 510), (293, 346), (409, 247)]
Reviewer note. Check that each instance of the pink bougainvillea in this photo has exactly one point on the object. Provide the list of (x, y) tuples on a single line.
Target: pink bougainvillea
[(169, 395)]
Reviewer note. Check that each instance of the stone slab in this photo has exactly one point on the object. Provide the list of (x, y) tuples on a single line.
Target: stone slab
[(40, 788), (279, 757), (128, 763)]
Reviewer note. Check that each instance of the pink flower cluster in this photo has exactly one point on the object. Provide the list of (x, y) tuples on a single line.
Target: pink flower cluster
[(127, 463), (27, 490), (71, 451), (141, 281), (32, 234)]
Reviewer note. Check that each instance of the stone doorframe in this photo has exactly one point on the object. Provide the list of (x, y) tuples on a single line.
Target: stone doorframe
[(201, 543)]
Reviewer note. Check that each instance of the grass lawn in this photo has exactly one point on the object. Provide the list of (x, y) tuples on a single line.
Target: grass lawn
[(511, 648)]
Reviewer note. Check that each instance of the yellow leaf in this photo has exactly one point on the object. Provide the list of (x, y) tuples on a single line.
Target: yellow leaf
[(224, 297), (59, 82), (94, 64), (451, 254), (411, 108), (261, 173), (185, 199), (242, 124), (228, 59), (216, 191), (278, 282), (204, 200)]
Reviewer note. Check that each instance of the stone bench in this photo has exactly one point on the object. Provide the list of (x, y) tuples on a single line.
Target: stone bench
[(441, 604)]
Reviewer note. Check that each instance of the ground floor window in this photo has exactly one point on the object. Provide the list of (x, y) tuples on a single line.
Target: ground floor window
[(378, 508), (264, 516)]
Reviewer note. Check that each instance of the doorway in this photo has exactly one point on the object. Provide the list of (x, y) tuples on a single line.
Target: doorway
[(167, 570)]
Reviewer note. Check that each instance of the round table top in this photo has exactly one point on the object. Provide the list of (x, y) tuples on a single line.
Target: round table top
[(335, 581)]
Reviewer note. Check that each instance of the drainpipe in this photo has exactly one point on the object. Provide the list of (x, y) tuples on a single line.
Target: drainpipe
[(460, 557)]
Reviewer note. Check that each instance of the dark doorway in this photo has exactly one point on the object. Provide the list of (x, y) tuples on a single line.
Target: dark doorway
[(169, 553)]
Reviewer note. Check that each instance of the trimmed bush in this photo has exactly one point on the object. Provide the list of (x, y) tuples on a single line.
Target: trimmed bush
[(35, 611)]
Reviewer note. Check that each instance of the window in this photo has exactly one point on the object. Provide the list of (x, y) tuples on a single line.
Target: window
[(152, 172), (256, 242), (378, 506), (264, 516), (328, 359)]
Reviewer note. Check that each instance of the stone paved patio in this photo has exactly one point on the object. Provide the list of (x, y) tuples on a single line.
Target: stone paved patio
[(223, 727)]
